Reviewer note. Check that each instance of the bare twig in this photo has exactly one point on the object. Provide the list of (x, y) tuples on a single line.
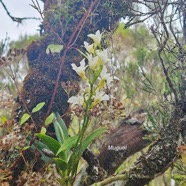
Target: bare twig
[(17, 19)]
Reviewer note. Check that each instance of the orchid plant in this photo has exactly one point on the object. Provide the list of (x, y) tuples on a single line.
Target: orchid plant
[(67, 149), (95, 79)]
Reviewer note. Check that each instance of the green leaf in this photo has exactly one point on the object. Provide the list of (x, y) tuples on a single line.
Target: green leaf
[(39, 146), (25, 148), (61, 164), (68, 144), (90, 138), (24, 118), (43, 130), (51, 143), (82, 53), (38, 107), (49, 119), (54, 48), (61, 130), (86, 142)]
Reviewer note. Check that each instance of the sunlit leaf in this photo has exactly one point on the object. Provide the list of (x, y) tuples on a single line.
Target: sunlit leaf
[(24, 118), (38, 107), (49, 119), (54, 48), (25, 148), (43, 130)]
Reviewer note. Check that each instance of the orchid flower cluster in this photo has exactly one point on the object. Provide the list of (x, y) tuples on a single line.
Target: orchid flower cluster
[(94, 74)]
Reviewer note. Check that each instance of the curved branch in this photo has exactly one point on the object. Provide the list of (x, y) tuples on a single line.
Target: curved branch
[(159, 157), (124, 141), (16, 19)]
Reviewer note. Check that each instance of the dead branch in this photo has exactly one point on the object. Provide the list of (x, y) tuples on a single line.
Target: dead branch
[(16, 19), (126, 139)]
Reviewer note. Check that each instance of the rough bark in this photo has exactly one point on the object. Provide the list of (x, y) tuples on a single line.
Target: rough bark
[(125, 140), (158, 158)]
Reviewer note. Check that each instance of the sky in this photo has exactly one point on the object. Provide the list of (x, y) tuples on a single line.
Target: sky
[(18, 8)]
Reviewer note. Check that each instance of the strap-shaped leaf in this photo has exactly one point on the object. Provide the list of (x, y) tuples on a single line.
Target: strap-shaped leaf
[(61, 130), (86, 142), (90, 138), (61, 164), (52, 144), (68, 144)]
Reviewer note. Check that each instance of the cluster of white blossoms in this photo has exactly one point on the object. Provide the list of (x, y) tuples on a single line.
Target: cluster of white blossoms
[(94, 75)]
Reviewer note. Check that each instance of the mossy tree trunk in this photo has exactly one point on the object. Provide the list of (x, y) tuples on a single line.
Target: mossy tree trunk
[(47, 73)]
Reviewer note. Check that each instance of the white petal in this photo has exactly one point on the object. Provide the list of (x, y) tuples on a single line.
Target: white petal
[(96, 37), (89, 48), (73, 100)]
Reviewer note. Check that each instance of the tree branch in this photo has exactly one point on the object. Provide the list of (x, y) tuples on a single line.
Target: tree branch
[(159, 157), (124, 141), (16, 19)]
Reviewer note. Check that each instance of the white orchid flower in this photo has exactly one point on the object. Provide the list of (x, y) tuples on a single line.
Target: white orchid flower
[(89, 48), (100, 96), (96, 37), (100, 59), (103, 57), (93, 61), (80, 70), (104, 78), (76, 100)]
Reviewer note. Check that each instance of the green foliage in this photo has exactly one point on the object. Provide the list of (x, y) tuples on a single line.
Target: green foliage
[(60, 128), (141, 55), (125, 33), (139, 67), (4, 45), (26, 116), (62, 147), (53, 48), (179, 171), (38, 107), (24, 41), (49, 119)]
